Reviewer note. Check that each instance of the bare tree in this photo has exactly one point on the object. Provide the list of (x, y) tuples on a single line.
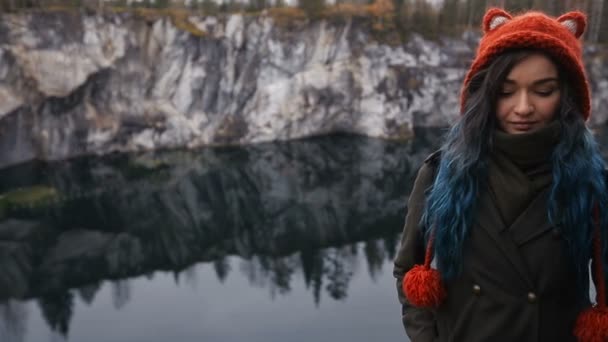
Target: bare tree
[(603, 26), (312, 7), (597, 8), (8, 5)]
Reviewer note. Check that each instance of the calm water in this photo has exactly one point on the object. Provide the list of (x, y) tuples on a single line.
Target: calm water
[(288, 241), (285, 241)]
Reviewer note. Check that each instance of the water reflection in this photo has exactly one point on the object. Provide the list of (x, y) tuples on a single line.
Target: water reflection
[(13, 316), (314, 208)]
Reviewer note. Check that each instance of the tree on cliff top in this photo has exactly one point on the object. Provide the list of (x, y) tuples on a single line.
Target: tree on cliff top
[(313, 8)]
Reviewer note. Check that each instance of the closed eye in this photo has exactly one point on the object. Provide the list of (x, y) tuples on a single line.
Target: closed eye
[(545, 93)]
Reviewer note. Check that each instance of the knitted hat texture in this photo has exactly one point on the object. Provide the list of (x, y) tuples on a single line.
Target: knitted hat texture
[(557, 37)]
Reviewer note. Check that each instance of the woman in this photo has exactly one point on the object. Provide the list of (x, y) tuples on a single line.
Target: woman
[(513, 203)]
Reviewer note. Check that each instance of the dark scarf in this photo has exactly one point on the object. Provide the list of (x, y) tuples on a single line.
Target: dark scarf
[(520, 167)]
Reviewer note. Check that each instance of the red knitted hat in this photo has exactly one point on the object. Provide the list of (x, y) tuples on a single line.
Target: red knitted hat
[(559, 38)]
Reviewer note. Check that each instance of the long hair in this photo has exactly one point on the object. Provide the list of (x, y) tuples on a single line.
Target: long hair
[(578, 174)]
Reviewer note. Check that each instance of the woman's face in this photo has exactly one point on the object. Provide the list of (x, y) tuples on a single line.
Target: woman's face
[(530, 96)]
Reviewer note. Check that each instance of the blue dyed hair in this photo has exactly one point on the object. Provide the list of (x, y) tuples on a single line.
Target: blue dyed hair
[(578, 175)]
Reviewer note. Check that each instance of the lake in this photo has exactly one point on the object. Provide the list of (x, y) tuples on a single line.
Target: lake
[(285, 241)]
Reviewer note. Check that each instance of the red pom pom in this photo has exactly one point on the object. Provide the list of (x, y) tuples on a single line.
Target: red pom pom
[(423, 287), (592, 325)]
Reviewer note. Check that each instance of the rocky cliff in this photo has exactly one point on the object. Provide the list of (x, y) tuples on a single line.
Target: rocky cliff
[(76, 84)]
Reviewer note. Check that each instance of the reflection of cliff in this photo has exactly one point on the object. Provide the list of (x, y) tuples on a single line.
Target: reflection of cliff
[(13, 318), (326, 272), (283, 208), (330, 269)]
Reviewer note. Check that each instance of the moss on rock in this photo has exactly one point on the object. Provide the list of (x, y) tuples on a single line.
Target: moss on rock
[(29, 196)]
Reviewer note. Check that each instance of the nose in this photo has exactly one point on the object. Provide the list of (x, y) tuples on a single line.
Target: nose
[(523, 106)]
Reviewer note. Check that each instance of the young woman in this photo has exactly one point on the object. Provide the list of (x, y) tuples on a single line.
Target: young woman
[(513, 207)]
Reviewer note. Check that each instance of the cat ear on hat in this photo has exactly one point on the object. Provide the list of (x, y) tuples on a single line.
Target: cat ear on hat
[(575, 22), (494, 18)]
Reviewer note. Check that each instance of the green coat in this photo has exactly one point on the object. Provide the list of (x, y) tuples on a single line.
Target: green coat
[(515, 286)]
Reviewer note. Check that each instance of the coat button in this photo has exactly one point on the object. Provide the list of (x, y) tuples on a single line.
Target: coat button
[(531, 297), (476, 289)]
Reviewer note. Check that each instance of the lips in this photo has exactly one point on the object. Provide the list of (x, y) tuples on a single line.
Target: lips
[(522, 125), (522, 122)]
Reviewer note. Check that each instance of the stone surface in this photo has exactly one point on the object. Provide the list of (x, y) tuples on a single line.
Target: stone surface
[(83, 84)]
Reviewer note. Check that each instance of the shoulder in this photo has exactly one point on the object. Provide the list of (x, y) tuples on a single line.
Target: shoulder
[(433, 159), (426, 173)]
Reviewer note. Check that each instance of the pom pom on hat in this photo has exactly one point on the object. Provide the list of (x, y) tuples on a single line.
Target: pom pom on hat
[(422, 285), (592, 324)]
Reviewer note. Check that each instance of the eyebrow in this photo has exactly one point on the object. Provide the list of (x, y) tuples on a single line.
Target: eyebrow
[(537, 82)]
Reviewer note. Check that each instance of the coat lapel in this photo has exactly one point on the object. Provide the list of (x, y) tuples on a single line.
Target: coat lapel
[(533, 221), (490, 220)]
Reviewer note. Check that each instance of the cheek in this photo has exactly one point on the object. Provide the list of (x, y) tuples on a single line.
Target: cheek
[(502, 110), (502, 114), (548, 109)]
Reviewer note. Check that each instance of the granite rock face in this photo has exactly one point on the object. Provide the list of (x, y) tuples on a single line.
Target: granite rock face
[(76, 84)]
